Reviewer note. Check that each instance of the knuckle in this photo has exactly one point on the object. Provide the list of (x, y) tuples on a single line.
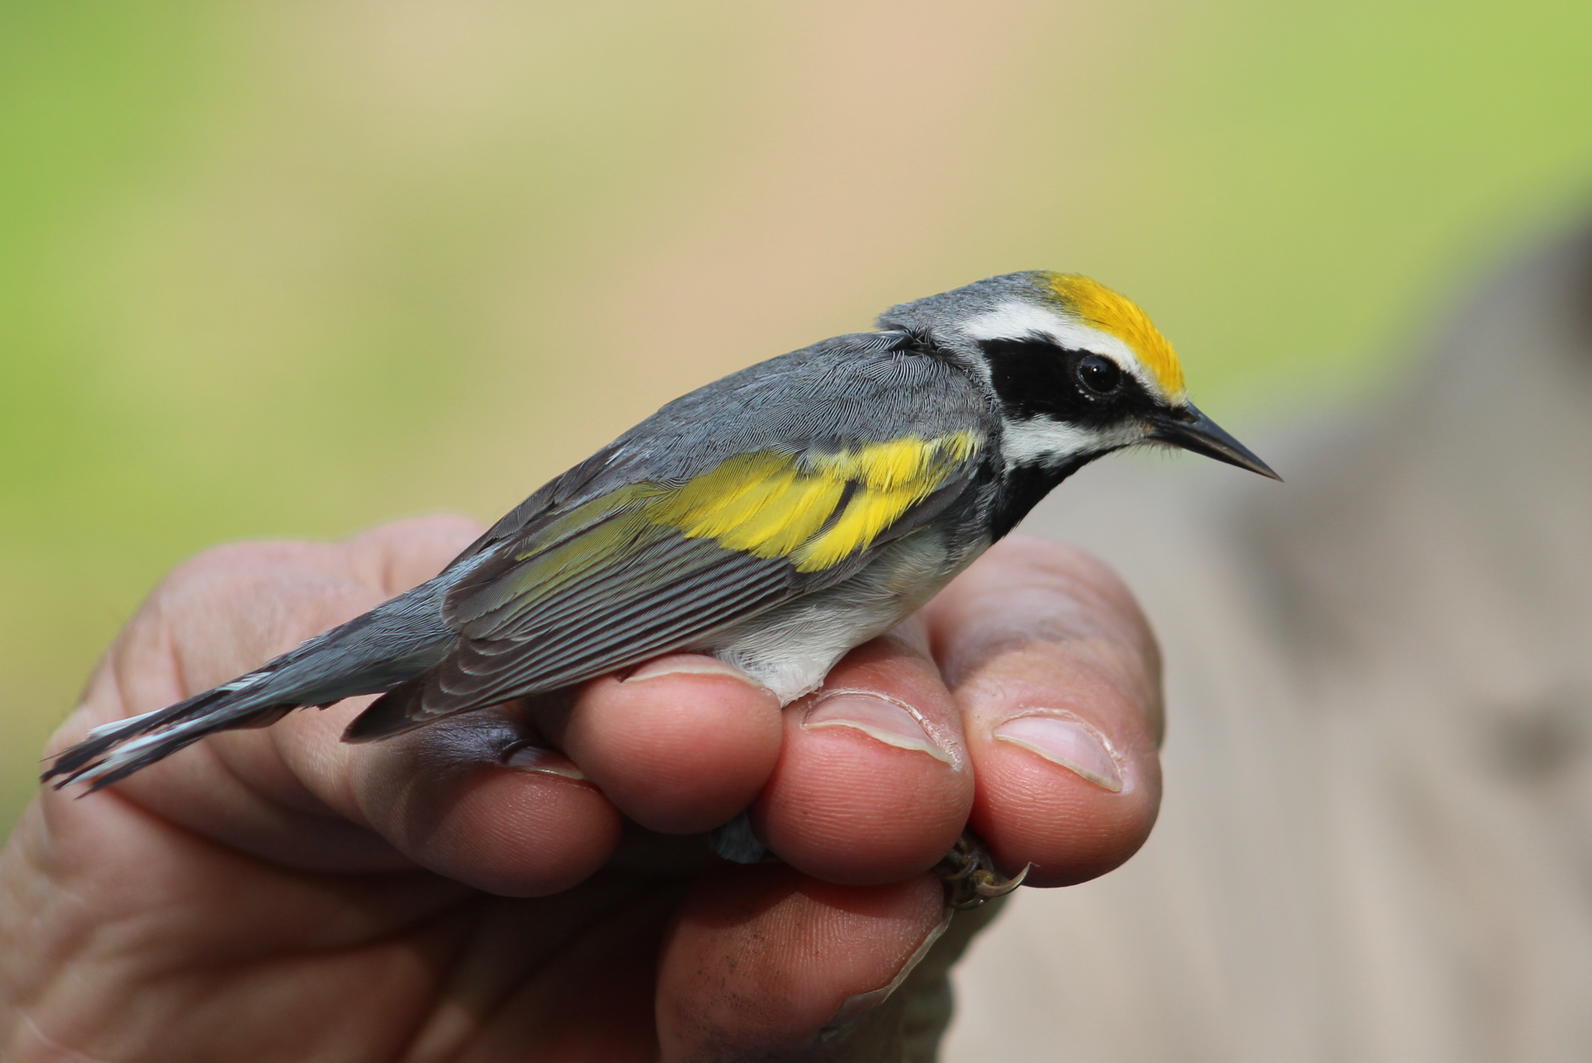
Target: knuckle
[(441, 528), (395, 556), (1073, 568), (228, 560), (285, 584), (1092, 583)]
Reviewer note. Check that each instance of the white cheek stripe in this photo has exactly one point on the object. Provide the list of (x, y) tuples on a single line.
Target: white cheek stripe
[(1018, 320), (1046, 441)]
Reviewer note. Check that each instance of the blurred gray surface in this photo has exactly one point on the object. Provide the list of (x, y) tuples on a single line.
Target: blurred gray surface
[(1376, 842)]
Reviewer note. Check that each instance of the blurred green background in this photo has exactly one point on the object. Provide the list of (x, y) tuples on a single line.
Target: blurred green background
[(295, 269)]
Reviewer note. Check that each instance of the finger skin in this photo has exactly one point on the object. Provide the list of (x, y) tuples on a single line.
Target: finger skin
[(680, 745), (871, 791), (294, 793), (451, 797), (455, 799), (1045, 634), (759, 960), (401, 554)]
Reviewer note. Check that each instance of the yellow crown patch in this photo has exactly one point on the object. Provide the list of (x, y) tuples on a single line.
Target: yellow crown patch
[(1099, 306)]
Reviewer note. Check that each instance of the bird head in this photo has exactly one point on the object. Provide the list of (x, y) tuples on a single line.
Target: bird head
[(1078, 369)]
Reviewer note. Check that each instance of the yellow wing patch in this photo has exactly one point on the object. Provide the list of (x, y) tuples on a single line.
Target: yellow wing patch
[(1112, 312), (816, 510)]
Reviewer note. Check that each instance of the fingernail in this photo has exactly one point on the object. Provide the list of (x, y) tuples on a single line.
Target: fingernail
[(895, 723), (859, 1004), (1062, 738), (686, 664), (545, 761)]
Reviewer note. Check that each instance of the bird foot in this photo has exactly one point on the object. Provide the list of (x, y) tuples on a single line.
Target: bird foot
[(970, 875)]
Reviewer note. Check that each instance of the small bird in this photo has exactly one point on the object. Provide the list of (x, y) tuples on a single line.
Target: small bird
[(774, 519)]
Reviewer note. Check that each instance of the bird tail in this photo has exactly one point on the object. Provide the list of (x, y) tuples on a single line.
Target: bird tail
[(383, 648), (116, 750)]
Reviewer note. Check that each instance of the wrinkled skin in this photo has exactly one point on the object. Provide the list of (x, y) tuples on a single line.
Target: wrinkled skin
[(463, 892)]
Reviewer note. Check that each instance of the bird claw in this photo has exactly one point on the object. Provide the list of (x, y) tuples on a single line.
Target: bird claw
[(971, 877)]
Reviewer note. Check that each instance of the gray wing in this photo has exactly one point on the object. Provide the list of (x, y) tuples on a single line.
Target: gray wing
[(636, 552)]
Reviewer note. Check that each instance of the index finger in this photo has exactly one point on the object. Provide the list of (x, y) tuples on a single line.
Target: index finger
[(1059, 681), (461, 797)]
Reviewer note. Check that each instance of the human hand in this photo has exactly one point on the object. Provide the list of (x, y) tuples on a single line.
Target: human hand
[(464, 892)]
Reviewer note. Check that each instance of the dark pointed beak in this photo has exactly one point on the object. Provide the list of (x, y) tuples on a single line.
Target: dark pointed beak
[(1190, 429)]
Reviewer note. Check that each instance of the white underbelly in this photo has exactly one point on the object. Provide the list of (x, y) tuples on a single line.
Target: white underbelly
[(791, 649)]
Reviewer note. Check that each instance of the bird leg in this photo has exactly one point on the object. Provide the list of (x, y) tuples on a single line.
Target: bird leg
[(970, 875), (967, 871)]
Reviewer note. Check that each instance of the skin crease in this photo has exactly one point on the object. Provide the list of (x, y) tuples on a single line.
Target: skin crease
[(422, 898)]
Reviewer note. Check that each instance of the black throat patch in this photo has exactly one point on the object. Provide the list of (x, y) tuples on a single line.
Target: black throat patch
[(1022, 487)]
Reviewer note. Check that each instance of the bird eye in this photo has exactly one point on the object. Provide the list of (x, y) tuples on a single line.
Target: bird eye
[(1099, 374)]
